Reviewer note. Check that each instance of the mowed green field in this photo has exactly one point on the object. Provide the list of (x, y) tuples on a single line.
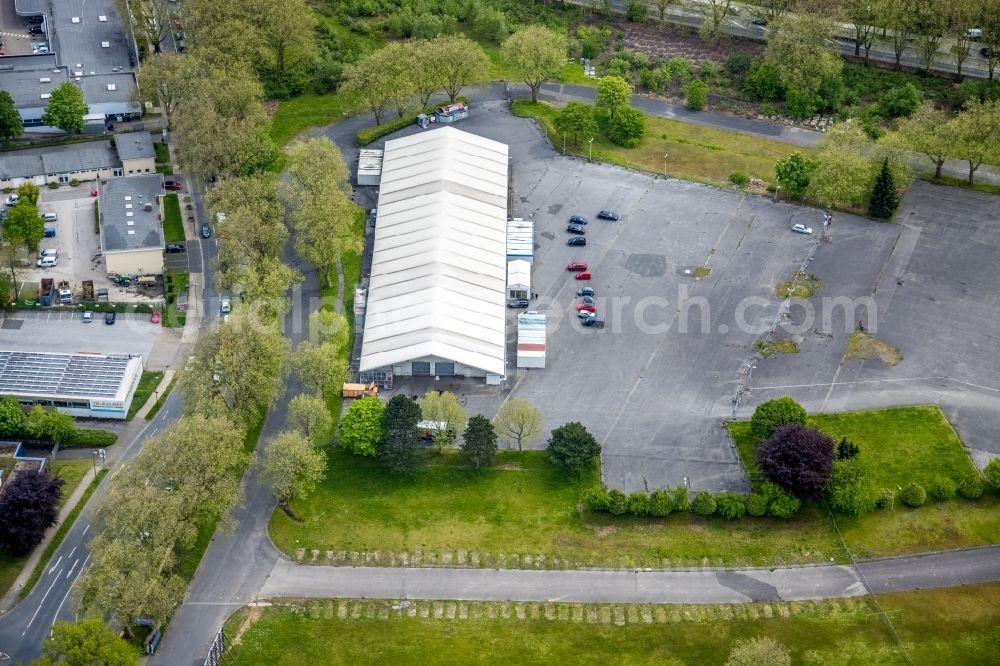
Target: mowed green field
[(959, 626)]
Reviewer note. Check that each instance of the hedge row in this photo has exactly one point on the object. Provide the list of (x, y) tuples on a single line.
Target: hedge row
[(90, 437), (768, 500), (371, 134)]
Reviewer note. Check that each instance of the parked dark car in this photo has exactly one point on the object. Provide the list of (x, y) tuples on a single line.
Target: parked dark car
[(109, 318), (608, 215), (36, 30), (576, 229), (206, 232), (577, 219), (585, 291), (35, 18), (596, 322), (174, 248), (579, 240), (172, 185), (517, 303), (589, 300)]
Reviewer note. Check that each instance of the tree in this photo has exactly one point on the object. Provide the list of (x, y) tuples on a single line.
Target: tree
[(518, 420), (844, 171), (370, 82), (864, 16), (884, 200), (310, 416), (773, 413), (87, 642), (758, 651), (291, 468), (929, 24), (425, 77), (399, 449), (772, 10), (322, 213), (958, 16), (443, 407), (66, 108), (460, 61), (798, 459), (49, 424), (151, 17), (235, 369), (793, 173), (851, 489), (480, 443), (613, 93), (361, 426), (977, 133), (572, 447), (714, 13), (536, 54), (661, 8), (992, 473), (29, 192), (576, 121), (166, 79), (898, 16), (287, 32), (23, 226), (798, 49), (928, 132), (264, 284), (696, 94), (321, 369), (11, 125), (12, 419), (28, 507), (990, 25), (627, 127), (846, 449)]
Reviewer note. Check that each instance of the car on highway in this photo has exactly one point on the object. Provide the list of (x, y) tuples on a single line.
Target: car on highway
[(576, 266), (585, 275), (585, 291), (608, 215), (109, 318), (155, 317), (801, 229), (577, 241), (517, 303), (206, 232), (577, 219), (586, 307), (171, 185), (174, 248), (576, 229)]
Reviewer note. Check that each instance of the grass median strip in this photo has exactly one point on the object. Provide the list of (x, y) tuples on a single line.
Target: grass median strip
[(954, 626), (147, 384), (161, 400)]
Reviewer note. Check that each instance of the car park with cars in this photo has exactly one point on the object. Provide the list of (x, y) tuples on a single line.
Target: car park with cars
[(577, 241), (576, 229)]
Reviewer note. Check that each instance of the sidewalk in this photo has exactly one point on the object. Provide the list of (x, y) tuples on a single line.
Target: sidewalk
[(13, 595), (158, 393)]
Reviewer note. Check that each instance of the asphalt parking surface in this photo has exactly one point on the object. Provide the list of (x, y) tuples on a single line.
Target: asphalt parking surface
[(65, 332)]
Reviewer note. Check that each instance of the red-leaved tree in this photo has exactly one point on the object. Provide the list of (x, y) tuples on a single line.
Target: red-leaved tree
[(797, 458), (28, 507)]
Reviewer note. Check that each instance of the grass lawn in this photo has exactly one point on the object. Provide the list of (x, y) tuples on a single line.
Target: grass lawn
[(151, 414), (953, 626), (147, 383), (173, 225), (701, 154), (524, 507), (177, 284), (71, 471), (298, 114)]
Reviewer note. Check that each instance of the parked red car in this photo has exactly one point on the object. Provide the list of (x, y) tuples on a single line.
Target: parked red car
[(586, 307), (155, 318), (585, 275), (576, 266), (172, 185)]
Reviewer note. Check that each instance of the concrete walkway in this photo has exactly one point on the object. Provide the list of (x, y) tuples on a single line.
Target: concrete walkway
[(158, 392)]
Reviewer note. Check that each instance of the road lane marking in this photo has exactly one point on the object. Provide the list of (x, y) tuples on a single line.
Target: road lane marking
[(53, 567), (71, 553), (54, 581), (68, 573), (59, 608), (85, 529)]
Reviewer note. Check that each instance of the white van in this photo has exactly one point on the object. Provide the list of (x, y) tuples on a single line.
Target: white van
[(47, 262), (12, 200), (50, 217), (49, 252)]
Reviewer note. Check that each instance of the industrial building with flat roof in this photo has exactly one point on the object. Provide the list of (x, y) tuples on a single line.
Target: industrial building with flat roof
[(131, 214), (82, 385), (131, 154), (436, 296), (88, 44)]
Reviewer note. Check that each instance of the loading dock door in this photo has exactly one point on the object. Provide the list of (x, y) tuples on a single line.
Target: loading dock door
[(421, 368), (444, 369)]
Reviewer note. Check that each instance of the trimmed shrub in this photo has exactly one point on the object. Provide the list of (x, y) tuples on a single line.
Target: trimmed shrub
[(596, 498), (681, 501), (619, 66), (846, 449), (703, 504), (886, 499), (780, 504), (627, 127), (661, 503), (638, 504), (655, 80), (850, 489), (942, 488), (617, 502), (739, 179), (756, 504), (802, 103), (696, 94), (971, 486), (913, 494), (680, 67), (88, 437), (992, 472), (730, 505), (773, 413)]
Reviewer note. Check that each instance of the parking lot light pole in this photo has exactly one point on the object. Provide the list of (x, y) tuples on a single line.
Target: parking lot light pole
[(665, 156), (591, 142)]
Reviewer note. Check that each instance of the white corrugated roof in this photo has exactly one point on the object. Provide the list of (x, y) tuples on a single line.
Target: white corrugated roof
[(438, 277), (519, 273)]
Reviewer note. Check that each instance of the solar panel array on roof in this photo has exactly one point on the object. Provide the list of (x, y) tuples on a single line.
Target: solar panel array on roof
[(58, 375)]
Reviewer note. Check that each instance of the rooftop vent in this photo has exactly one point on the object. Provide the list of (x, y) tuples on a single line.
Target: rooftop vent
[(78, 72), (102, 18), (128, 198), (130, 222), (128, 206), (45, 79), (131, 232), (105, 45), (45, 95), (75, 19), (129, 214), (112, 86)]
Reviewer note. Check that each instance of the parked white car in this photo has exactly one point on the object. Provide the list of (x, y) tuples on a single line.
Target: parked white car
[(11, 200), (801, 229)]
